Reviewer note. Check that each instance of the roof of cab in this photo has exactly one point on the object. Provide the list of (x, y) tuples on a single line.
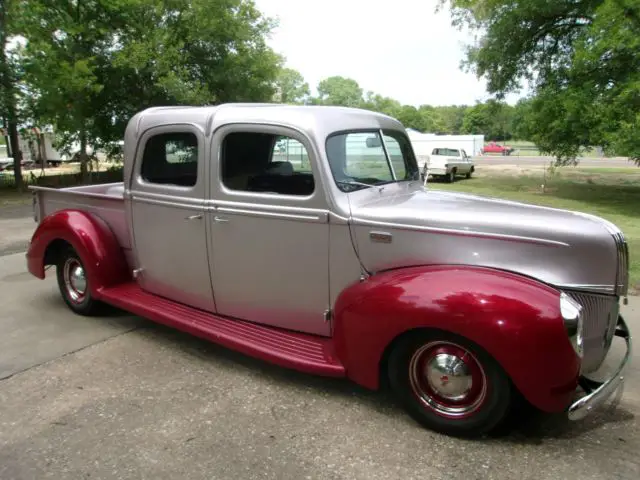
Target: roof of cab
[(314, 119)]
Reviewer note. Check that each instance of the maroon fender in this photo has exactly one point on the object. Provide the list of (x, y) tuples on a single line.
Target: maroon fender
[(92, 239), (515, 319)]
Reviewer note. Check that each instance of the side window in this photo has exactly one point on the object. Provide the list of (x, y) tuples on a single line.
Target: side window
[(171, 159), (267, 163), (395, 154)]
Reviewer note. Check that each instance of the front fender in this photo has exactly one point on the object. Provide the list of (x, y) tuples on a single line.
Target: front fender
[(515, 319), (91, 238)]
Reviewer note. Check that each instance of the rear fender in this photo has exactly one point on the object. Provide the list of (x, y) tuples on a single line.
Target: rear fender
[(515, 319), (91, 238)]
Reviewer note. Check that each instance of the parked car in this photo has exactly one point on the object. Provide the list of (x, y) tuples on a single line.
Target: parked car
[(493, 147), (447, 163), (343, 264)]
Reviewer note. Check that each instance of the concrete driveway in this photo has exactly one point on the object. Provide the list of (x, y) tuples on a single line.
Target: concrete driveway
[(120, 397)]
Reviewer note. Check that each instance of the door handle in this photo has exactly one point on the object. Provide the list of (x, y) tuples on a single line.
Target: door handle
[(194, 217), (220, 219)]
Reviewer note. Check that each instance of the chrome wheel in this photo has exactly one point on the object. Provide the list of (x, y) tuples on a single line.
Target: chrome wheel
[(75, 281), (447, 379)]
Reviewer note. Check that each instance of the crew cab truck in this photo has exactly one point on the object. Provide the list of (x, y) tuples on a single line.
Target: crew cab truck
[(302, 235), (447, 163)]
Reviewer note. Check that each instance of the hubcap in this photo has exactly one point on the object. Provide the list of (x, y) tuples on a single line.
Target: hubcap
[(449, 376), (447, 379), (75, 280)]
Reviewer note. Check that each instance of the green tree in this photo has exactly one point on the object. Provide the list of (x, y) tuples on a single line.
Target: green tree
[(451, 119), (378, 103), (493, 119), (339, 90), (431, 121), (91, 64), (581, 59), (291, 87), (523, 128)]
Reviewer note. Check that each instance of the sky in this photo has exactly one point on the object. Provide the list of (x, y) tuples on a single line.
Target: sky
[(400, 49)]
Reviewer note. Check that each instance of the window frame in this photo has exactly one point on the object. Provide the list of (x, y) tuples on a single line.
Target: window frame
[(382, 132), (140, 183), (317, 199)]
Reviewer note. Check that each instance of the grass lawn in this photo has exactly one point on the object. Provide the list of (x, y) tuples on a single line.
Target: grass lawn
[(613, 194)]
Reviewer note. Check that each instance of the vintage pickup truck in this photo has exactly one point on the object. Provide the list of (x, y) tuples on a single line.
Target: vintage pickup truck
[(302, 235)]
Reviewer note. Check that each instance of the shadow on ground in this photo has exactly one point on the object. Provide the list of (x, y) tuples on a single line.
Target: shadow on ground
[(525, 425)]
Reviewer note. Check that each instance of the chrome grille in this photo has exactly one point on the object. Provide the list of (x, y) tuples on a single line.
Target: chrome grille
[(600, 317), (622, 276)]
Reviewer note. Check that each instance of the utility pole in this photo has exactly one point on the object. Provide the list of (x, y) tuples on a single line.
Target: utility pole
[(8, 100)]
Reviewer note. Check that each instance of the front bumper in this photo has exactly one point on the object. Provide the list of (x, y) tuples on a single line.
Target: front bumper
[(599, 392)]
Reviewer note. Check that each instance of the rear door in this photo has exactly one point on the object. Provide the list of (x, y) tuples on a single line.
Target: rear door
[(168, 217)]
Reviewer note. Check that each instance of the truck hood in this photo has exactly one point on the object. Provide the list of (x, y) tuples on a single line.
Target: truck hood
[(397, 227)]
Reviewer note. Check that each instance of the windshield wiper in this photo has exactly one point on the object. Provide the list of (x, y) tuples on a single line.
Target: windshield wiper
[(353, 182)]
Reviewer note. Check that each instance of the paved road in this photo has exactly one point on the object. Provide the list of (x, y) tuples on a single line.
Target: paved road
[(16, 227), (120, 397), (543, 161)]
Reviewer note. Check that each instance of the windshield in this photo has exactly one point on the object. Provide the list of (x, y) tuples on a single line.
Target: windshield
[(376, 157)]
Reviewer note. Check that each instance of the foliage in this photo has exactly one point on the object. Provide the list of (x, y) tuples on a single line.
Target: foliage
[(339, 90), (494, 119), (91, 64), (581, 59), (291, 87)]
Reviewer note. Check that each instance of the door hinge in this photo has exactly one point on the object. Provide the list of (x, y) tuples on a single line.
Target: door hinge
[(327, 315)]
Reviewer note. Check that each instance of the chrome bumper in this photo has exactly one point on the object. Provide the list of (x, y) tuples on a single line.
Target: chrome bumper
[(599, 392)]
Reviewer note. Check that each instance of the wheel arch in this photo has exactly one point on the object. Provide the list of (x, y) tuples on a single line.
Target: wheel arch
[(90, 236), (507, 315)]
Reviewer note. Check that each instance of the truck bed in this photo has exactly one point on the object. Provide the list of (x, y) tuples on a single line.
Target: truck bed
[(105, 200)]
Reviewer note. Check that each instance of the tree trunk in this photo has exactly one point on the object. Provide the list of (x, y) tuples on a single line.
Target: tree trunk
[(9, 100), (84, 171), (15, 149)]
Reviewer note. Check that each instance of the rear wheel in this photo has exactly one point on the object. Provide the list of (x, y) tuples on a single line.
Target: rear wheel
[(448, 384), (451, 176), (74, 285)]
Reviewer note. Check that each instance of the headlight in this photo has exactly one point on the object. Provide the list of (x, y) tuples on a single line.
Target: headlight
[(571, 312)]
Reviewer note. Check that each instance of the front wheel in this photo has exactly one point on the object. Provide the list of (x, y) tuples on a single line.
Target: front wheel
[(448, 384), (74, 285)]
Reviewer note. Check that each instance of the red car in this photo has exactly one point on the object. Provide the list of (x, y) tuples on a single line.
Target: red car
[(493, 147)]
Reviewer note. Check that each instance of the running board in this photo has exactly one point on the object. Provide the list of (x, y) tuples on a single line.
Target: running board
[(298, 351)]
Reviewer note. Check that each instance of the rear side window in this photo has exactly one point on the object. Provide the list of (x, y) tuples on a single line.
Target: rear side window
[(171, 159)]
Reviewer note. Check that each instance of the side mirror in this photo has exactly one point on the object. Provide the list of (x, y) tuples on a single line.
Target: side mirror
[(373, 142)]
